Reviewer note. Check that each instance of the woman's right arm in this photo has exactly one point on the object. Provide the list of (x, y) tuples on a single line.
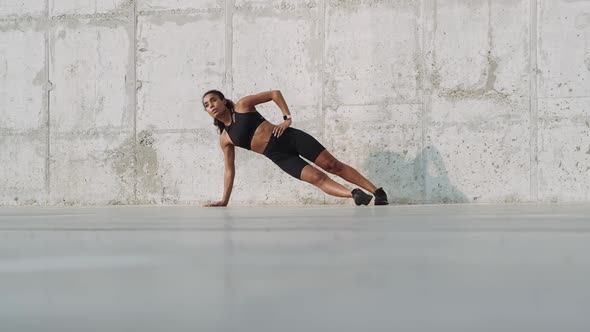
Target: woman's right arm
[(229, 171)]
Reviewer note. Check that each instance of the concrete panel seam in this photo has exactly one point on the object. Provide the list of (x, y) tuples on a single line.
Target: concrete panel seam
[(25, 19), (421, 86), (180, 12), (45, 23), (47, 108), (423, 124), (561, 97), (322, 74), (229, 11), (533, 102), (430, 11), (135, 88), (11, 132), (278, 6), (45, 18)]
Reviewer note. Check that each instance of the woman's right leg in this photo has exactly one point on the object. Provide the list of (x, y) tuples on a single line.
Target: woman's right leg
[(298, 168), (319, 179), (284, 154), (312, 150), (327, 162)]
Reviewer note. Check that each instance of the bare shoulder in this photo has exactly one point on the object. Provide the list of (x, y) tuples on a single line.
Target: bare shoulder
[(248, 103)]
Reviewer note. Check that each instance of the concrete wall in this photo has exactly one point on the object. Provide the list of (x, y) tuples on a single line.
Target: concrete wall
[(436, 100)]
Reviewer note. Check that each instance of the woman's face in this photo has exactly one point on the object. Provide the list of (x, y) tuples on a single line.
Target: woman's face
[(214, 105)]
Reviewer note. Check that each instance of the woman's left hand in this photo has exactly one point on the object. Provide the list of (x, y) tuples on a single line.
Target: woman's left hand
[(280, 129)]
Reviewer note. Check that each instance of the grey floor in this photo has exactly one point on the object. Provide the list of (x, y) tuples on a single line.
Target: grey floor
[(397, 268)]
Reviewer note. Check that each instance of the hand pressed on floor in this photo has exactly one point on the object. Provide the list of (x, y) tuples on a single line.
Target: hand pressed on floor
[(216, 204)]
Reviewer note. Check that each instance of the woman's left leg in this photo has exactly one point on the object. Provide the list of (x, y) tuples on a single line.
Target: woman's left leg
[(330, 164)]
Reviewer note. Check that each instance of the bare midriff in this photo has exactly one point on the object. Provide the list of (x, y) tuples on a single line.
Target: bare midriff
[(261, 137)]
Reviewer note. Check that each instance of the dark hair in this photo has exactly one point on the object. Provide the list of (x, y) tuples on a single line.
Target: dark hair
[(230, 105)]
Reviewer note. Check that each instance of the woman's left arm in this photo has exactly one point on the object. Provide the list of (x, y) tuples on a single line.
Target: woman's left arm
[(249, 102), (282, 104)]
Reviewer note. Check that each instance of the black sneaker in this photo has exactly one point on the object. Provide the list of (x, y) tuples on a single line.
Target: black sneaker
[(360, 197), (380, 197)]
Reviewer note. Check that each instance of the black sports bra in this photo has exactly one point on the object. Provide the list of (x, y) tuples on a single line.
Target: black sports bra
[(242, 130)]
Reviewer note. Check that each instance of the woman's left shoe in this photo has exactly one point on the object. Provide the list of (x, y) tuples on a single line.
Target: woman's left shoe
[(360, 197)]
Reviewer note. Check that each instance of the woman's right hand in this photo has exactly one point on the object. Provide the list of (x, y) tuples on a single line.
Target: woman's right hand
[(216, 204)]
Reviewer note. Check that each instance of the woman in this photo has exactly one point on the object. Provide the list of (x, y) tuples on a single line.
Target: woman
[(241, 125)]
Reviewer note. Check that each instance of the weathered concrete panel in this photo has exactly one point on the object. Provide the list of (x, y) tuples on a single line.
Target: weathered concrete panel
[(22, 175), (178, 168), (91, 112), (469, 162), (60, 7), (277, 49), (564, 51), (22, 80), (509, 71), (479, 135), (462, 38), (564, 149), (276, 5), (22, 8), (93, 168), (492, 56), (90, 71), (372, 52), (384, 144), (564, 87), (23, 117), (173, 73)]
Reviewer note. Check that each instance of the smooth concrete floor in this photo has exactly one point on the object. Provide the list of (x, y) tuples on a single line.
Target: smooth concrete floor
[(327, 268)]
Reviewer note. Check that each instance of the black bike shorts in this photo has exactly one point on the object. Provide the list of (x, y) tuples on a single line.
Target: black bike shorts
[(285, 151)]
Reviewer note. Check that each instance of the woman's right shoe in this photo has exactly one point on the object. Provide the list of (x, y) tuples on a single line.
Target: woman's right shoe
[(360, 197), (380, 197)]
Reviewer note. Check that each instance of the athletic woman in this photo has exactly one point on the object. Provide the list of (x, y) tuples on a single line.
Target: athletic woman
[(241, 125)]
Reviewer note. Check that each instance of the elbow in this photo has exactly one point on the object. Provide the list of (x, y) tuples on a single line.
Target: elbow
[(276, 94)]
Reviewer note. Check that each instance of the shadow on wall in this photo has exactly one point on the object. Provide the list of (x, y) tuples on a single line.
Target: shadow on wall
[(422, 180)]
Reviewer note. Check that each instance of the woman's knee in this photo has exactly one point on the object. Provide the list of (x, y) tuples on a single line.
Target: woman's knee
[(314, 177), (334, 166), (329, 163)]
